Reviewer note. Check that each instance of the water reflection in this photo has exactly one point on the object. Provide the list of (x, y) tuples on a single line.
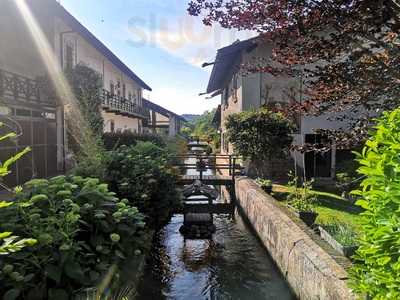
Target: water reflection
[(233, 265)]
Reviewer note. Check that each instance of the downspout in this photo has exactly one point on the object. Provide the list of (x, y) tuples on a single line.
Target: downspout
[(62, 46), (64, 139)]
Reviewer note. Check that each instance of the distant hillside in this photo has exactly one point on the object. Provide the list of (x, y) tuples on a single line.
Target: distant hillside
[(191, 118)]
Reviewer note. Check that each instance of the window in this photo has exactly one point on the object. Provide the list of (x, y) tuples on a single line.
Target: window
[(112, 88), (112, 126), (124, 90), (130, 97), (69, 57), (119, 89)]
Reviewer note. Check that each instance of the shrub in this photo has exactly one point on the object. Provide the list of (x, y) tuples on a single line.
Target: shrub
[(259, 135), (301, 196), (113, 140), (82, 231), (377, 266), (142, 175)]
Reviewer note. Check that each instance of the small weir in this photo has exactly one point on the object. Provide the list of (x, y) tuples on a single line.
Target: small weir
[(209, 252)]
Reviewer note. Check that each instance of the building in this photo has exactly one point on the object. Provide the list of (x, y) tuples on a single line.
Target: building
[(34, 36), (240, 91), (163, 121)]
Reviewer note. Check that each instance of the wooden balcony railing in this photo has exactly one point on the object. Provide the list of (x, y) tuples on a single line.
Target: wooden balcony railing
[(121, 105), (17, 87)]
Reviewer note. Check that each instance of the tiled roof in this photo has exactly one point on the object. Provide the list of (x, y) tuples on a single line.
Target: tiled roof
[(227, 63), (161, 110)]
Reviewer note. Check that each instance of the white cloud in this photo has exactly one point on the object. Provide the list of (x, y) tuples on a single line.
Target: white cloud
[(183, 37)]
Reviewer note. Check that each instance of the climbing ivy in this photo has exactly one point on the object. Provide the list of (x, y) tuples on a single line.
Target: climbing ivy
[(86, 84)]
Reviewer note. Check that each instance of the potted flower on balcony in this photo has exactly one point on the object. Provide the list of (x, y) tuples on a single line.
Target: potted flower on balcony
[(302, 200), (265, 184)]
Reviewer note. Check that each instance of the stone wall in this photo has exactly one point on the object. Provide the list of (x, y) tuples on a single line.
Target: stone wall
[(309, 269)]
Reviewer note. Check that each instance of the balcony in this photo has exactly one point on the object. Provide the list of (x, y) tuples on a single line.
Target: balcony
[(16, 88), (118, 105)]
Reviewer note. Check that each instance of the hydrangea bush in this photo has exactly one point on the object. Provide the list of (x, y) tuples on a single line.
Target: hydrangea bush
[(82, 230)]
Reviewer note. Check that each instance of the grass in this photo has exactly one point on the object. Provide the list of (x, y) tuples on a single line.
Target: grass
[(328, 216), (344, 234), (331, 208)]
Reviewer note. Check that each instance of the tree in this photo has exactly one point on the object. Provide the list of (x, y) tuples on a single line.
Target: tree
[(355, 44), (260, 135), (205, 129)]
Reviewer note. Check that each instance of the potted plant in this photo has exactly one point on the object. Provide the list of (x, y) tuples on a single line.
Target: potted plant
[(265, 184), (341, 237), (301, 199)]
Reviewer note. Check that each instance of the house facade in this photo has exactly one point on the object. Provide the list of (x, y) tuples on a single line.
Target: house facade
[(163, 121), (36, 116), (241, 91)]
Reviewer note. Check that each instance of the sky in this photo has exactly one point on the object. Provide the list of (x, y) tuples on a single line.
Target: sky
[(161, 43)]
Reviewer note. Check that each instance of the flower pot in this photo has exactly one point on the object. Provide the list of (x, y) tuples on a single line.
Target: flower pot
[(308, 217), (267, 189), (347, 251)]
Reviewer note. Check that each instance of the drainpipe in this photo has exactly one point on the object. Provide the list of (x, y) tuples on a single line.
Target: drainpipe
[(62, 46), (64, 140)]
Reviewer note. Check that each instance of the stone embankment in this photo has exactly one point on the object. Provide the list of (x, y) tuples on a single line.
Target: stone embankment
[(311, 270)]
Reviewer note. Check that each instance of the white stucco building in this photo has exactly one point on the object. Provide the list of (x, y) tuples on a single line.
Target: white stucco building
[(163, 121), (241, 91), (38, 118)]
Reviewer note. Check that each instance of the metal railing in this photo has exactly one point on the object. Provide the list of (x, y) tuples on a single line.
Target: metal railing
[(21, 88), (122, 105), (209, 162)]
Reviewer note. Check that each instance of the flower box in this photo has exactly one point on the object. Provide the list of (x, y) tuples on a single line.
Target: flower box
[(347, 251)]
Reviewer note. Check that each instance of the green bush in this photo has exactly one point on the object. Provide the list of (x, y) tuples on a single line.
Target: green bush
[(82, 230), (259, 134), (113, 140), (301, 196), (377, 267), (142, 175)]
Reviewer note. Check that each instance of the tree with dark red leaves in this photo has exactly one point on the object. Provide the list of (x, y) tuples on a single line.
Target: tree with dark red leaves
[(353, 46)]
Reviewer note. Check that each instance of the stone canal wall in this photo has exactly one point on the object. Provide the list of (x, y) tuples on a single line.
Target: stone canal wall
[(308, 268)]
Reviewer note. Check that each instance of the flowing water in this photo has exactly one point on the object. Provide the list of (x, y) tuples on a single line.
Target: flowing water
[(232, 265)]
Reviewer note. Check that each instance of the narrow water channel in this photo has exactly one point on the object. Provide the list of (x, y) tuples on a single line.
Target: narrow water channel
[(231, 265)]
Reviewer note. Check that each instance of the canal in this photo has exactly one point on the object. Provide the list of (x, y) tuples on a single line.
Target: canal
[(231, 265)]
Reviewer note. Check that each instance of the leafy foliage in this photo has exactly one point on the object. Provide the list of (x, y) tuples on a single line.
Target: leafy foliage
[(86, 85), (377, 267), (259, 135), (343, 233), (113, 140), (204, 129), (11, 243), (84, 122), (300, 195), (354, 43), (82, 230), (142, 175)]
